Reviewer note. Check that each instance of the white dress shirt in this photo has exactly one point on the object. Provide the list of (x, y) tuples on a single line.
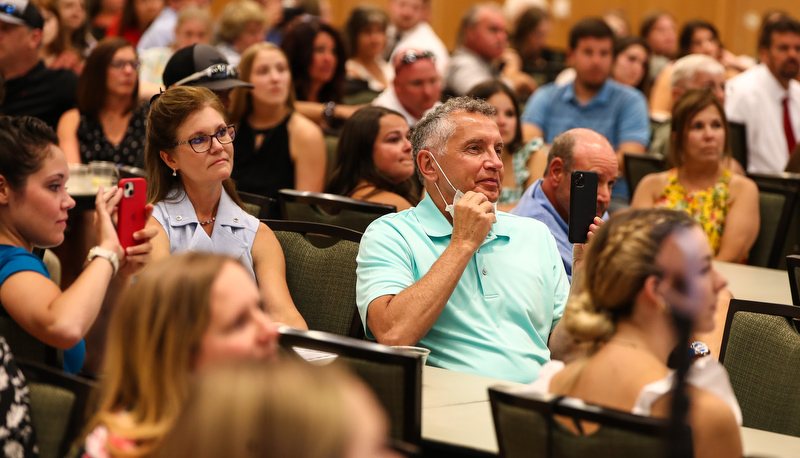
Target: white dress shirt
[(755, 98), (422, 37)]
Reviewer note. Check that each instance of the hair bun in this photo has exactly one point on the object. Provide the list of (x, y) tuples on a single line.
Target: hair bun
[(585, 322)]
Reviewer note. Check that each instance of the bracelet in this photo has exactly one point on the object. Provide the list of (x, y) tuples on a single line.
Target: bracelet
[(99, 252), (328, 113)]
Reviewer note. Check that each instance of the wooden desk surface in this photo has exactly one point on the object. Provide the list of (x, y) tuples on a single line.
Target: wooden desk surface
[(756, 283), (456, 410)]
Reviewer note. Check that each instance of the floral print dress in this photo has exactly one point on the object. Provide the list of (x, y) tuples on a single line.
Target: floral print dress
[(521, 172), (709, 207), (17, 438)]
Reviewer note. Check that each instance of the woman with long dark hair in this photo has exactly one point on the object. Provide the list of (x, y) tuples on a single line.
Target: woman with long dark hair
[(374, 160), (317, 61), (136, 17)]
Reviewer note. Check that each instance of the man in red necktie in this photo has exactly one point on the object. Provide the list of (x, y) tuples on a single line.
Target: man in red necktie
[(766, 98)]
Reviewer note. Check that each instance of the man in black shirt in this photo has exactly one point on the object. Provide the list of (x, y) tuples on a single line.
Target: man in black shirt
[(31, 88)]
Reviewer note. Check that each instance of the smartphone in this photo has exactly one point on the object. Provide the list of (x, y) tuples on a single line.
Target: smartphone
[(582, 204), (130, 216)]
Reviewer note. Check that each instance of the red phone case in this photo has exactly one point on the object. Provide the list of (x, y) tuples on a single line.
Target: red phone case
[(130, 217)]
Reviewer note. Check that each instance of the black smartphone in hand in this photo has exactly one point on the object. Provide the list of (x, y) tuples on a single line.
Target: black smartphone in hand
[(582, 204)]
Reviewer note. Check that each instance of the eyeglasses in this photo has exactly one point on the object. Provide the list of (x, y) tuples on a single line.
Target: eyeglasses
[(120, 64), (202, 143), (411, 56), (214, 72)]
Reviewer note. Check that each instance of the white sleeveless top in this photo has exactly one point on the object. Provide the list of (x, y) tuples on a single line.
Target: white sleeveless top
[(706, 373)]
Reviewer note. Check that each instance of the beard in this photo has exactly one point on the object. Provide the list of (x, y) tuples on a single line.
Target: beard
[(789, 69)]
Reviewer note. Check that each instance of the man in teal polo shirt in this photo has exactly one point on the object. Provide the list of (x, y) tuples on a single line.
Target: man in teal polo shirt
[(482, 290)]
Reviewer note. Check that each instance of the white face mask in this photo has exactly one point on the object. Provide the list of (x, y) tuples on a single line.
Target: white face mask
[(450, 208)]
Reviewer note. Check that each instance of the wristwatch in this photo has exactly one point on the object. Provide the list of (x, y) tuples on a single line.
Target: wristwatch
[(98, 252), (699, 348)]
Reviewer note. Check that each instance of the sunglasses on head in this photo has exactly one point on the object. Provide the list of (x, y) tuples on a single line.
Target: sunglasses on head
[(214, 72), (411, 56), (11, 10)]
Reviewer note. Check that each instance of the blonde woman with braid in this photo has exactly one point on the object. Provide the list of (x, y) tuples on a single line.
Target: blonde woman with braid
[(633, 263)]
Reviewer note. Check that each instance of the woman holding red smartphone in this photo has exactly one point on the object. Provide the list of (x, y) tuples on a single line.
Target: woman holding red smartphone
[(189, 160), (33, 213)]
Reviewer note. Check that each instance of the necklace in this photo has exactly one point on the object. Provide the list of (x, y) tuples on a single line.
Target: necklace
[(206, 223)]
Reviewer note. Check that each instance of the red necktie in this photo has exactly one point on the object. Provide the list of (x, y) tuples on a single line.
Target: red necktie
[(787, 126)]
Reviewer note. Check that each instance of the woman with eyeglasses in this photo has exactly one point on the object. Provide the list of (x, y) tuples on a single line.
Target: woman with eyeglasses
[(110, 122), (189, 160)]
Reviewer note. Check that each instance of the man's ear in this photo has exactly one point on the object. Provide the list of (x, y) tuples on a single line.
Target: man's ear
[(426, 168), (763, 54), (677, 92), (555, 171), (5, 190), (35, 38), (171, 163)]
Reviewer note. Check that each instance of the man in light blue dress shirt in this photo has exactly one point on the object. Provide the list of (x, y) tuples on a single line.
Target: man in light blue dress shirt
[(547, 200)]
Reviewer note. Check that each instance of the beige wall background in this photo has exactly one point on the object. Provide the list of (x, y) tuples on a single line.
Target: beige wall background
[(737, 20)]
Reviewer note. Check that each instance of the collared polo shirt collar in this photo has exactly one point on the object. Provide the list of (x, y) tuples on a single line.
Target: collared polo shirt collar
[(602, 97), (228, 213), (436, 225), (541, 197)]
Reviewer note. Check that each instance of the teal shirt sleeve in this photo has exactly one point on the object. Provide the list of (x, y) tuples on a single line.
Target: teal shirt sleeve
[(385, 266), (561, 282)]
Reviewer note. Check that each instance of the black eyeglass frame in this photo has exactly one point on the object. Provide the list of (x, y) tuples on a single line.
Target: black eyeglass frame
[(230, 128)]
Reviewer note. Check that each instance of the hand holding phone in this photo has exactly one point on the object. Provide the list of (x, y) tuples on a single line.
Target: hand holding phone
[(582, 204), (131, 214)]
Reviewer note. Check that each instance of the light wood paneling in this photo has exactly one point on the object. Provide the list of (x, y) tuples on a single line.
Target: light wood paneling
[(728, 15)]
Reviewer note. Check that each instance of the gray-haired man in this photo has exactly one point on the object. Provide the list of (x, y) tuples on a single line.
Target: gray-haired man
[(482, 290)]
